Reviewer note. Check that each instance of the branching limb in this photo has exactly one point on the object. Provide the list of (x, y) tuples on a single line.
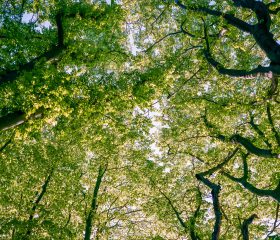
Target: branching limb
[(54, 51), (178, 215), (264, 38), (258, 71), (215, 194), (161, 39), (185, 31), (244, 182), (220, 165), (258, 130), (216, 204), (260, 9), (266, 153), (193, 234), (245, 226), (158, 17), (227, 71), (243, 26)]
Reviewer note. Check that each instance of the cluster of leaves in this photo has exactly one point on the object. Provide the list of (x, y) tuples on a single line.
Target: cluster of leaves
[(139, 120)]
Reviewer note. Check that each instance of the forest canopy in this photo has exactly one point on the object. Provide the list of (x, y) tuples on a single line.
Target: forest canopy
[(139, 120)]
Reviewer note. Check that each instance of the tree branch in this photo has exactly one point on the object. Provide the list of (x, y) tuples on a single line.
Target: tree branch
[(275, 225), (17, 118), (185, 31), (266, 153), (260, 9), (5, 145), (220, 165), (178, 216), (11, 75), (36, 203), (193, 234), (216, 204), (259, 31), (258, 130), (12, 119), (259, 192), (243, 26), (226, 71), (161, 39), (260, 70), (273, 86), (245, 226), (60, 33)]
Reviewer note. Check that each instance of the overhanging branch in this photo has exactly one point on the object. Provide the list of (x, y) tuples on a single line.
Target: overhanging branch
[(237, 138), (243, 26), (11, 75), (161, 39), (244, 182)]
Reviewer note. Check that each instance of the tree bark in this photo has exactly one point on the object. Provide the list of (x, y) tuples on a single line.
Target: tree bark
[(260, 32), (244, 182), (216, 204), (93, 208), (17, 118), (11, 75), (11, 120)]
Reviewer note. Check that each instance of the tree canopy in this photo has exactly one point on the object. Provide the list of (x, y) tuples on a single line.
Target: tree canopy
[(139, 119)]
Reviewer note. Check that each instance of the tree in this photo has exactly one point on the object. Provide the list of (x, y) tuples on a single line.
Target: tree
[(139, 120)]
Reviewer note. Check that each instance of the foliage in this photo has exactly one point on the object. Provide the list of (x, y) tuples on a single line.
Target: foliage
[(139, 119)]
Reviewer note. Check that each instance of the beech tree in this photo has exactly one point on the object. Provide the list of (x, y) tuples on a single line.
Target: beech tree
[(139, 119)]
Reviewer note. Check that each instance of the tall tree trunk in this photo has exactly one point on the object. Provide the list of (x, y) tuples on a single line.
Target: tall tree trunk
[(93, 206)]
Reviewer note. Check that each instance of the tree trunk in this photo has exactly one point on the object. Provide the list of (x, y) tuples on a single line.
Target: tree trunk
[(93, 207)]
